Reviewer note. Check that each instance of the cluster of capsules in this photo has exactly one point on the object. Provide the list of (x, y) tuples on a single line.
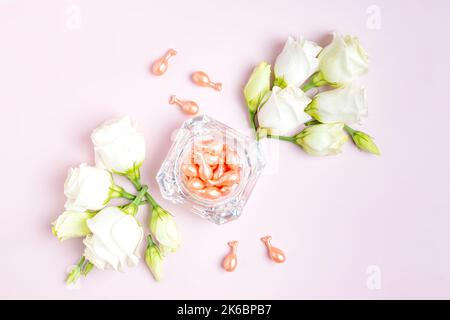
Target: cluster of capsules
[(200, 78), (211, 170)]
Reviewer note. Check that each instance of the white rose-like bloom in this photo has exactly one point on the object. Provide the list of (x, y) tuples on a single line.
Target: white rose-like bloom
[(118, 146), (115, 239), (71, 224), (87, 188), (322, 139), (347, 104), (284, 111), (297, 62), (343, 60)]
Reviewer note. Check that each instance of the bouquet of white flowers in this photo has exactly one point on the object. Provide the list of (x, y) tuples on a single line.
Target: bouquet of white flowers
[(277, 109), (112, 235)]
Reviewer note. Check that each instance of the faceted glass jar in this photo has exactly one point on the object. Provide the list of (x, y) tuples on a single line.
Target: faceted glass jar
[(172, 181)]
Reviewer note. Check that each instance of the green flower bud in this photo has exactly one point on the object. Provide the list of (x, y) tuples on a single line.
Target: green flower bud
[(365, 142), (154, 259), (257, 86), (75, 273), (87, 268)]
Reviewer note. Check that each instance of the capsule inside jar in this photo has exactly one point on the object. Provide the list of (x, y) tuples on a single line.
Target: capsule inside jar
[(211, 170)]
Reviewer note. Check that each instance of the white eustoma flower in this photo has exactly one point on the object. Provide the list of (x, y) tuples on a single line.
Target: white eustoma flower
[(322, 139), (347, 104), (71, 224), (118, 146), (343, 60), (87, 188), (297, 62), (115, 239), (165, 230), (284, 111)]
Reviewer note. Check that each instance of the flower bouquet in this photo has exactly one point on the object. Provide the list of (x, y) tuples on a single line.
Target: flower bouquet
[(112, 234), (276, 109)]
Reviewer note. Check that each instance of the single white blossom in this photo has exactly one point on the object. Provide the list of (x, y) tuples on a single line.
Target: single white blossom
[(347, 104), (343, 60), (322, 139), (284, 111), (118, 146), (115, 239), (297, 62)]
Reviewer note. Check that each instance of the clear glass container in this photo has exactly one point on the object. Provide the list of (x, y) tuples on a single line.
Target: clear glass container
[(172, 181)]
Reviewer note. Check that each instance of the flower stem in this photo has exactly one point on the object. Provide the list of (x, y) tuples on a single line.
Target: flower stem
[(316, 80), (116, 191), (134, 175), (251, 116), (141, 194), (151, 200), (311, 122), (133, 207), (143, 202), (308, 86), (137, 184), (284, 138), (349, 130), (81, 261), (128, 195)]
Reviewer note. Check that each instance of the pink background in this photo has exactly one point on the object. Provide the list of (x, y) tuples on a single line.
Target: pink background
[(334, 216)]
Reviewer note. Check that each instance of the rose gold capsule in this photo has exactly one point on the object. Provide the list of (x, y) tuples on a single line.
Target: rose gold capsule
[(189, 170), (219, 171), (204, 171), (229, 178), (195, 184), (226, 190), (275, 254), (212, 193), (188, 107), (211, 159), (230, 260), (159, 67), (200, 78), (213, 146), (232, 159)]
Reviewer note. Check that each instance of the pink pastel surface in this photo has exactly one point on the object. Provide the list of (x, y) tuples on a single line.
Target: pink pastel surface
[(334, 217)]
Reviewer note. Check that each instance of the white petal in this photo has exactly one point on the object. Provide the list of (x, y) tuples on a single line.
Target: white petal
[(101, 226), (128, 235), (99, 254), (269, 114)]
